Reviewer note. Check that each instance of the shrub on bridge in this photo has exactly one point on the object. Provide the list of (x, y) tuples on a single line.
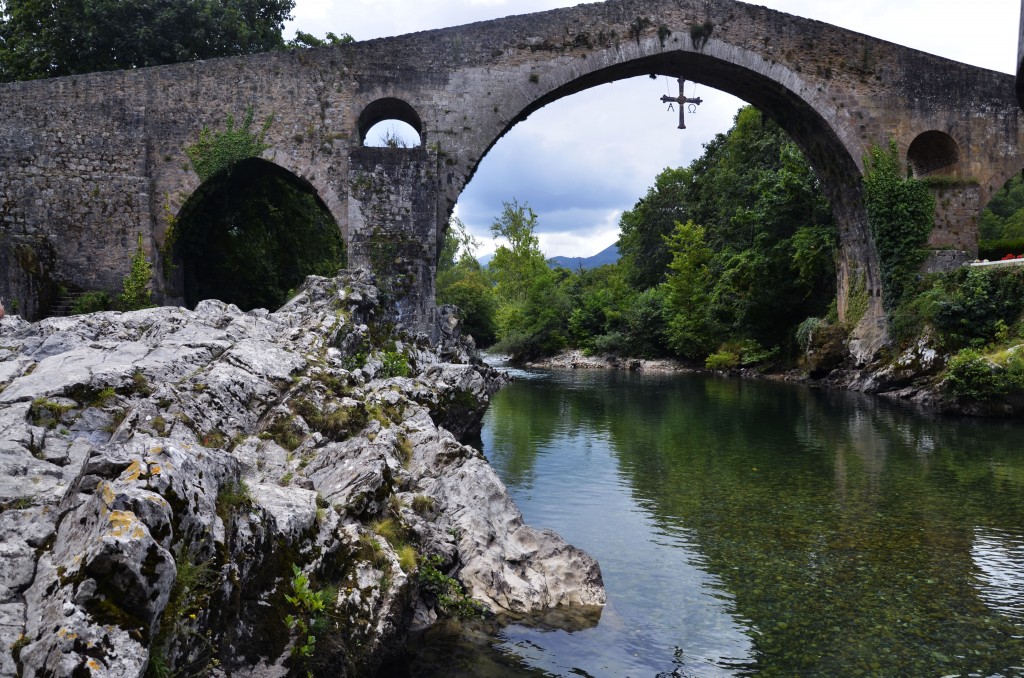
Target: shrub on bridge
[(216, 152), (136, 293)]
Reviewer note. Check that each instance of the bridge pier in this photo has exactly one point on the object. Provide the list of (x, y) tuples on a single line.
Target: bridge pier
[(394, 209), (954, 237)]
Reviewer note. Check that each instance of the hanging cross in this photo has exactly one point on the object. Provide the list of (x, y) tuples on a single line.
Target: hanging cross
[(682, 100)]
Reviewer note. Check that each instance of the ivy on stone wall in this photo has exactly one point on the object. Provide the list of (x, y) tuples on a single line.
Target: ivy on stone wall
[(901, 213), (217, 151)]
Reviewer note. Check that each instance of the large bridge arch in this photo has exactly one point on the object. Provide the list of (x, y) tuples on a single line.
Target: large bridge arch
[(815, 124)]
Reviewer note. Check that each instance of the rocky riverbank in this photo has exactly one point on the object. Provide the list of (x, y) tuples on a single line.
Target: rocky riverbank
[(257, 493), (914, 375), (575, 359)]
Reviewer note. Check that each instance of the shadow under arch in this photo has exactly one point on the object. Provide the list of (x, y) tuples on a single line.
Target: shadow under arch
[(251, 234), (932, 153)]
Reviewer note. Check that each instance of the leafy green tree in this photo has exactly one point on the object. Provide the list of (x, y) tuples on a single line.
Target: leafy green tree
[(474, 296), (901, 214), (770, 233), (462, 282), (641, 244), (645, 330), (1013, 226), (599, 298), (458, 247), (517, 264), (49, 38), (535, 326), (1001, 227), (532, 307), (691, 330)]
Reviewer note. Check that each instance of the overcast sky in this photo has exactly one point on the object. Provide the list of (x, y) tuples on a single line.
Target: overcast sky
[(582, 160)]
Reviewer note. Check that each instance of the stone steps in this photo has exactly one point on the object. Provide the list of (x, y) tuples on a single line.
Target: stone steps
[(64, 304)]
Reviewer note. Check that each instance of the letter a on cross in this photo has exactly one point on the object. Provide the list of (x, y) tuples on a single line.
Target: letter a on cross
[(682, 100)]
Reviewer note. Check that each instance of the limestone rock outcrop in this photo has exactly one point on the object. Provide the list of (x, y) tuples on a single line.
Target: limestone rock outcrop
[(258, 493)]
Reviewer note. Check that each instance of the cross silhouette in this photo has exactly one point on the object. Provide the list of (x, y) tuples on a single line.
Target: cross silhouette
[(682, 100)]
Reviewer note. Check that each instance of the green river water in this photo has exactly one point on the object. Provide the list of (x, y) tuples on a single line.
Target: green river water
[(755, 528)]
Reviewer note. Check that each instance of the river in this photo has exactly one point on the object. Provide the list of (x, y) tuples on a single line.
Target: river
[(756, 528)]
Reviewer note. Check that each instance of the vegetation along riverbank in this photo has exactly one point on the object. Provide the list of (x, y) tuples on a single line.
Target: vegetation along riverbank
[(730, 264)]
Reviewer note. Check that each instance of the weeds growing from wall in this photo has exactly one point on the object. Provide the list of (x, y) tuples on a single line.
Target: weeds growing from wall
[(135, 292), (218, 151)]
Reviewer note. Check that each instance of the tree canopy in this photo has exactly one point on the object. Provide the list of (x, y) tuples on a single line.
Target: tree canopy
[(50, 38), (729, 254)]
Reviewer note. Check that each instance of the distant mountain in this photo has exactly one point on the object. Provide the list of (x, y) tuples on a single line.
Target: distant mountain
[(606, 256)]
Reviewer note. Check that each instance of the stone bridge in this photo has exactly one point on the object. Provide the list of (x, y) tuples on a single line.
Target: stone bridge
[(88, 162)]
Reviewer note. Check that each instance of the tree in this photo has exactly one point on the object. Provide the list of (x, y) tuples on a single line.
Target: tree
[(532, 307), (462, 282), (49, 38), (643, 256), (515, 266), (691, 332), (458, 248)]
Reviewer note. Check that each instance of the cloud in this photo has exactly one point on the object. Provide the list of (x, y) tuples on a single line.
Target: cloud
[(580, 159)]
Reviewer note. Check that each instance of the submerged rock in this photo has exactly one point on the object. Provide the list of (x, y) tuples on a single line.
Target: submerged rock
[(257, 493)]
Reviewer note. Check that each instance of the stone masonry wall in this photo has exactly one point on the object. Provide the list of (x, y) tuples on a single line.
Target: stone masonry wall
[(957, 210)]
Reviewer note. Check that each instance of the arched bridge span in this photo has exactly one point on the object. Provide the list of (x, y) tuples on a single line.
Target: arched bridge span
[(89, 161)]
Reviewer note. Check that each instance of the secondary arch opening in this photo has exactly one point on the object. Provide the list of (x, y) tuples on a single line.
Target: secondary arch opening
[(933, 153), (390, 123), (251, 234)]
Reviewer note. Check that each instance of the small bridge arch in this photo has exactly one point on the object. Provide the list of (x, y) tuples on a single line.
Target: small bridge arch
[(247, 235)]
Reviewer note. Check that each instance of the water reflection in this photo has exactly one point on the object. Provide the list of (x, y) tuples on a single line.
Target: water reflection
[(999, 558), (750, 527)]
